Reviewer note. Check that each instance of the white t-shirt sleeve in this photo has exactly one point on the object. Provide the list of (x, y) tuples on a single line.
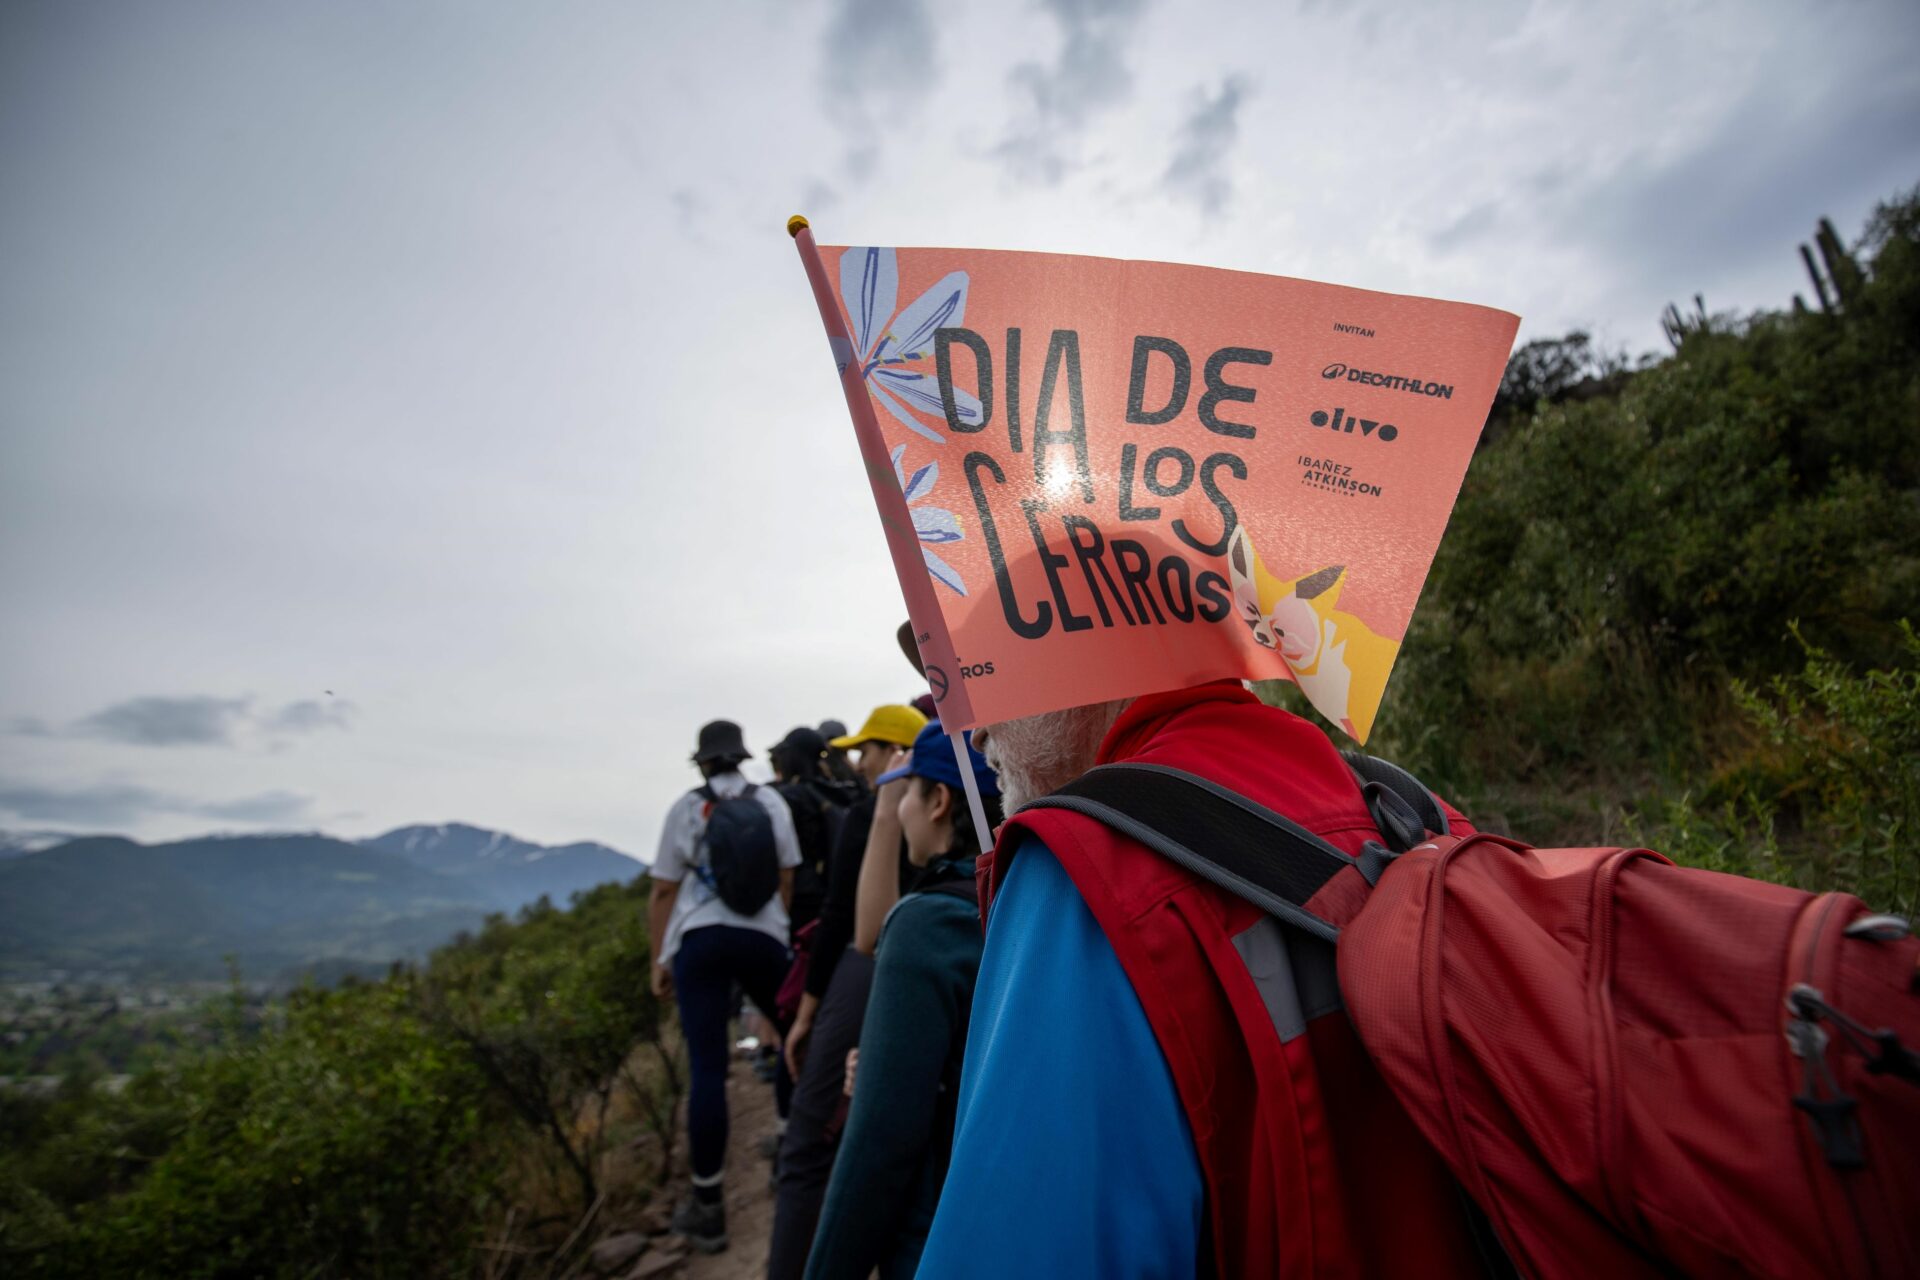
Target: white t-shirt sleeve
[(784, 838), (676, 845)]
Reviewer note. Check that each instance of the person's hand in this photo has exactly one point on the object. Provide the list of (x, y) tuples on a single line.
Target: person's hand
[(662, 982), (853, 1064), (797, 1036), (887, 799)]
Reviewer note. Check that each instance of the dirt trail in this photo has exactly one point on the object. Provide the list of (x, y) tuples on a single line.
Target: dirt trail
[(749, 1196)]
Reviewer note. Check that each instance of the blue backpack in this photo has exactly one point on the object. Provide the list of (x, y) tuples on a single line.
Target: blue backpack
[(741, 863)]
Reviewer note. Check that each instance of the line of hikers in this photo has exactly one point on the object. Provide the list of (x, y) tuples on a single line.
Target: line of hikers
[(847, 954), (1167, 1027)]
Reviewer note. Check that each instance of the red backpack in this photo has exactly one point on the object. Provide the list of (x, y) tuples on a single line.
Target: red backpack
[(1634, 1068)]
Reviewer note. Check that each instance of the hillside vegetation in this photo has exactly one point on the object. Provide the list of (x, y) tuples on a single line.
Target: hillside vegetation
[(466, 1112), (1672, 607)]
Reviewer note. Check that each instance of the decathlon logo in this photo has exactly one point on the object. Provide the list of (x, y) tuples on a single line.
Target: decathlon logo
[(1393, 381)]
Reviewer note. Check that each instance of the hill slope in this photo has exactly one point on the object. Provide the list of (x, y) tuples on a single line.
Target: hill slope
[(278, 904)]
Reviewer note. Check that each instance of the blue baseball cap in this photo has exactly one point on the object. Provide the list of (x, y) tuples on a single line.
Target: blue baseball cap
[(934, 760)]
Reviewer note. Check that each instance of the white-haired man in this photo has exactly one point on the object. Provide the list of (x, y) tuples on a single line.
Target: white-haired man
[(1132, 1104)]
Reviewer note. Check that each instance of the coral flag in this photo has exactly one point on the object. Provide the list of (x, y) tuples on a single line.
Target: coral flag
[(1102, 478)]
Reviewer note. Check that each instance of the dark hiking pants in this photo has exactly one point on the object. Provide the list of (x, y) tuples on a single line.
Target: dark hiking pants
[(806, 1153), (709, 964)]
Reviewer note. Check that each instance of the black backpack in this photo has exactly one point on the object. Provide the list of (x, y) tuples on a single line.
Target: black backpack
[(742, 863)]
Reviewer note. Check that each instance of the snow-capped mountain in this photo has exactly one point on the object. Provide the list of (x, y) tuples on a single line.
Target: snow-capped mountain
[(506, 869), (14, 844)]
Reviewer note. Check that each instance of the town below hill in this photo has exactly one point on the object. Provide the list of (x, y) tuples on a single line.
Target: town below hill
[(281, 908)]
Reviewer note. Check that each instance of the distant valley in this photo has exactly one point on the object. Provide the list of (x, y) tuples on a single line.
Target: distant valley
[(102, 908)]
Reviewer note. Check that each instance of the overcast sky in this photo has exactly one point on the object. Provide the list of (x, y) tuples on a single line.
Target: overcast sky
[(416, 412)]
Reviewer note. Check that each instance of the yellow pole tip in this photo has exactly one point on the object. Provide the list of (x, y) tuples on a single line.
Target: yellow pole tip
[(796, 224)]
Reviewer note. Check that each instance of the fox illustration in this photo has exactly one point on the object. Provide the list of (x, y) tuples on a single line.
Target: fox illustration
[(1340, 663)]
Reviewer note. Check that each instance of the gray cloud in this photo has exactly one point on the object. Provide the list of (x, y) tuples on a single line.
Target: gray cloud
[(267, 806), (1748, 188), (1469, 227), (878, 60), (166, 722), (119, 804), (818, 195), (200, 720), (310, 715), (1198, 169), (1090, 75), (689, 211)]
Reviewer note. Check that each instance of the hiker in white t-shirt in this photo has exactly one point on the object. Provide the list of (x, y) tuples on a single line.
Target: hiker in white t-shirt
[(718, 919)]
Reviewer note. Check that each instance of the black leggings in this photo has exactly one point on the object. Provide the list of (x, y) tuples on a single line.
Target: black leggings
[(710, 962), (807, 1153)]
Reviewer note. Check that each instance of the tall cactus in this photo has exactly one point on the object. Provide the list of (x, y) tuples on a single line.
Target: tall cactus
[(1679, 326), (1842, 269), (1819, 282)]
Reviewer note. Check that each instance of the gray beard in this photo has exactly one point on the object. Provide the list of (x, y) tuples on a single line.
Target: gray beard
[(1037, 755)]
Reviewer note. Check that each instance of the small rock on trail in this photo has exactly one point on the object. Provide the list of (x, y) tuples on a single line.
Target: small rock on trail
[(616, 1251)]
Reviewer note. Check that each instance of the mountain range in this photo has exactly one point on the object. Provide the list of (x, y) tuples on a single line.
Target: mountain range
[(279, 905)]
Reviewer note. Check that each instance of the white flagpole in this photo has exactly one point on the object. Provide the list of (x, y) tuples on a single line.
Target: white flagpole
[(972, 784)]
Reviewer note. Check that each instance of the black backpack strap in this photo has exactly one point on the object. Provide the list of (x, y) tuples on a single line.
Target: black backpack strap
[(1401, 806), (965, 890), (1223, 837)]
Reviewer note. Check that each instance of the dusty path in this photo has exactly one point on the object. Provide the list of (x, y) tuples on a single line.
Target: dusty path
[(749, 1196)]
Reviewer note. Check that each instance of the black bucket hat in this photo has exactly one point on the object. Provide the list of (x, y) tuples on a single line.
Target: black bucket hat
[(721, 740)]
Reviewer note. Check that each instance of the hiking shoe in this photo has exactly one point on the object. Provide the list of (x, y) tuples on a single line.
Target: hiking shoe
[(704, 1225)]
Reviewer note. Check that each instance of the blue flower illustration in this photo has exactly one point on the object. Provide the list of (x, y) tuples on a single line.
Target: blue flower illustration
[(933, 525), (884, 342)]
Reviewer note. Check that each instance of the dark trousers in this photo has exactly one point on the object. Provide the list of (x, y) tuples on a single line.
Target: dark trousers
[(709, 964), (806, 1153)]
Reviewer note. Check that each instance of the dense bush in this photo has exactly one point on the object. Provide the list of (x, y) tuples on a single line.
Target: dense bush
[(1614, 561), (374, 1131), (1829, 794), (341, 1143), (1624, 569), (550, 1008)]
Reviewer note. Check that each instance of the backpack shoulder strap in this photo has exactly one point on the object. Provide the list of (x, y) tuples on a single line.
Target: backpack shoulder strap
[(1400, 804), (966, 890), (1235, 843)]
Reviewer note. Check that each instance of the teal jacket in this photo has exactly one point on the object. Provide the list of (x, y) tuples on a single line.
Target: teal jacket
[(893, 1156)]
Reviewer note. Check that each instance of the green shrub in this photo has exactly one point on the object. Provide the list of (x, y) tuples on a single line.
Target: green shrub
[(549, 1008), (1828, 797), (368, 1131), (343, 1144), (1614, 561)]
